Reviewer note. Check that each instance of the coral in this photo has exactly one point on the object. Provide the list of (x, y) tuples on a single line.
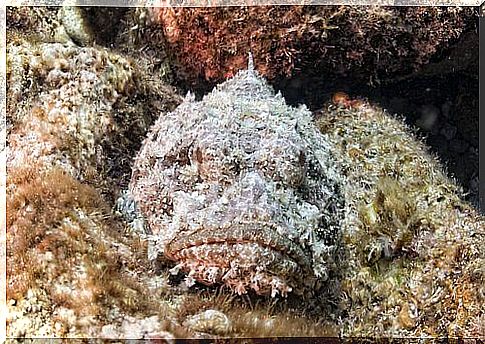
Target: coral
[(242, 189), (369, 43)]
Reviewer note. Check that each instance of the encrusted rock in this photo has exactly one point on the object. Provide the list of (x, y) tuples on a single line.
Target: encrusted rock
[(76, 25), (241, 189), (412, 245), (68, 256), (209, 321), (367, 43)]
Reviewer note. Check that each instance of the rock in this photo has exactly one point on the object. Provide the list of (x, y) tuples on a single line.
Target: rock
[(366, 43), (412, 243), (448, 131), (76, 24), (429, 117), (66, 249), (458, 146), (210, 321)]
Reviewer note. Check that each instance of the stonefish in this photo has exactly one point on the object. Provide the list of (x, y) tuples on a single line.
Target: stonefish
[(241, 189)]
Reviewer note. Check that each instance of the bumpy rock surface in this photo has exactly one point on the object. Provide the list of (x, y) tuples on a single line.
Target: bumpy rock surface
[(70, 263), (414, 252), (363, 42), (241, 189)]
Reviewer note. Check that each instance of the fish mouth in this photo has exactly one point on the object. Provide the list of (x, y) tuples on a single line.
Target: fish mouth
[(243, 256)]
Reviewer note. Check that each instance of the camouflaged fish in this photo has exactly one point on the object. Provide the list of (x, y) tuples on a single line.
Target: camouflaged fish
[(241, 189)]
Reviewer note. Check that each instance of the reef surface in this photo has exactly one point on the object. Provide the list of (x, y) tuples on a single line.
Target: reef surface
[(405, 253)]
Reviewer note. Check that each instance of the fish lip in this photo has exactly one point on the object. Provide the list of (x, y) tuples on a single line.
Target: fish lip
[(262, 234)]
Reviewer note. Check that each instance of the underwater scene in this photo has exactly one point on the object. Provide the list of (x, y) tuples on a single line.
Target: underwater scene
[(243, 172)]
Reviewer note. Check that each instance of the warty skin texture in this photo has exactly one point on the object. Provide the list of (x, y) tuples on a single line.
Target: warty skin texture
[(241, 189)]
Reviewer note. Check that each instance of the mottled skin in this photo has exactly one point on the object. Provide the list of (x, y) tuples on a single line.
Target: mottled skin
[(241, 189)]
